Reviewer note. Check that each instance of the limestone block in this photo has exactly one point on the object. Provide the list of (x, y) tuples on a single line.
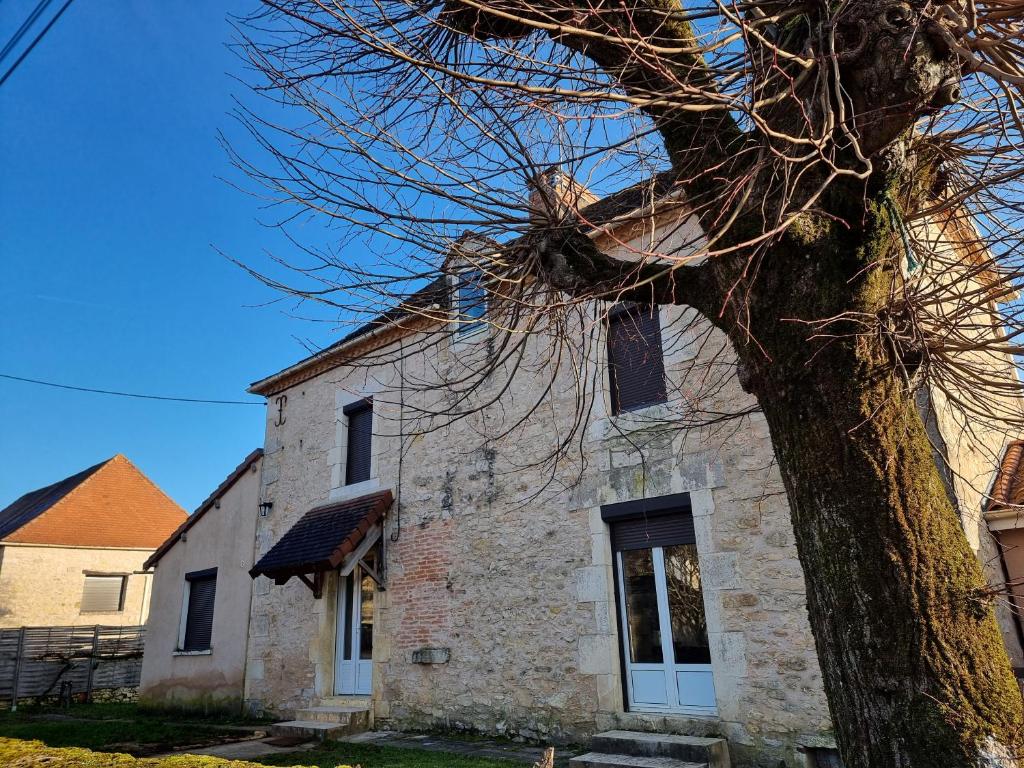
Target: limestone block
[(592, 584)]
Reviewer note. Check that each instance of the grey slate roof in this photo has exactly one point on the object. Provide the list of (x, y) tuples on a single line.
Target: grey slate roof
[(34, 503)]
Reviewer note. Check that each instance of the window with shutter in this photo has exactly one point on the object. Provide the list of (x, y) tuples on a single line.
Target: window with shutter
[(103, 593), (360, 441), (202, 589), (636, 368)]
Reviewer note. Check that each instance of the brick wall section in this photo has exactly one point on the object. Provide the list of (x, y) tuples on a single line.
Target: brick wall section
[(419, 567)]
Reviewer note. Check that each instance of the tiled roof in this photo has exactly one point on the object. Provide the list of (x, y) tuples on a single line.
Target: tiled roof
[(34, 503), (322, 537), (1008, 489), (203, 508), (109, 505), (632, 198)]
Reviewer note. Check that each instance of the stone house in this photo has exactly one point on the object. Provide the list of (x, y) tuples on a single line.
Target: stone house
[(199, 618), (72, 553), (441, 575)]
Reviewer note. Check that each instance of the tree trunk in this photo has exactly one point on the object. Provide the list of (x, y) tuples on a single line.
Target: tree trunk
[(914, 665)]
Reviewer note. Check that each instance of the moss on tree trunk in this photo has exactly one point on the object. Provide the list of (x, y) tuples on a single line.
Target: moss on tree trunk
[(913, 661)]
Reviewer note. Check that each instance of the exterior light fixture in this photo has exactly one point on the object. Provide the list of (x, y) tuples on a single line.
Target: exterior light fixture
[(265, 507)]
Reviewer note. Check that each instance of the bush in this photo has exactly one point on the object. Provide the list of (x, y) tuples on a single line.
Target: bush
[(15, 753)]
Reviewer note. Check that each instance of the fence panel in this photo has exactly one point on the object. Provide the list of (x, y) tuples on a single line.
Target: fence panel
[(36, 661)]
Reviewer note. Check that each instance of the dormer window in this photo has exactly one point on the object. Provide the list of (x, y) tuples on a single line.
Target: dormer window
[(470, 303)]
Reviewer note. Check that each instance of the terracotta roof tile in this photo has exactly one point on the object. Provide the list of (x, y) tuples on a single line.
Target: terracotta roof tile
[(110, 505), (1008, 489), (323, 536)]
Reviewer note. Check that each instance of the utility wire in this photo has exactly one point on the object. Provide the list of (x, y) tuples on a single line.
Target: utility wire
[(42, 6), (129, 394), (33, 44)]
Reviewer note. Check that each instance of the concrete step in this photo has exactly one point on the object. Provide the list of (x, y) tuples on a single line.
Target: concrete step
[(604, 760), (312, 729), (696, 749), (342, 715)]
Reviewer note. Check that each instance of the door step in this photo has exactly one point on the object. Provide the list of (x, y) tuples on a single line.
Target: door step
[(603, 760), (325, 722), (695, 749)]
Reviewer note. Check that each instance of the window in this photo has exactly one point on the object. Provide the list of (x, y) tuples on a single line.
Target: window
[(104, 593), (360, 441), (470, 302), (636, 369), (200, 590)]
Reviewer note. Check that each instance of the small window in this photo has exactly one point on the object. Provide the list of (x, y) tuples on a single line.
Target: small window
[(470, 302), (360, 441), (200, 590), (636, 368), (103, 593)]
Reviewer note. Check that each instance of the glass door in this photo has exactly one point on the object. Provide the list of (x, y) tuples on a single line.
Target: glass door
[(664, 630), (353, 652)]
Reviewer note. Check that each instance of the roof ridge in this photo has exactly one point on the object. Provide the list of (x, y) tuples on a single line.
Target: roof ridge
[(146, 477)]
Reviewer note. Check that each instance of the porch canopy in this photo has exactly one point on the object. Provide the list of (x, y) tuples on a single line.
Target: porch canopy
[(336, 535)]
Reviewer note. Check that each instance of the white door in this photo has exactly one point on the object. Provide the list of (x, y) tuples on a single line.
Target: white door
[(664, 631), (353, 648)]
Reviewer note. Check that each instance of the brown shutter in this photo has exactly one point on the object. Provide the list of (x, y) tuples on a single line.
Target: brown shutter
[(636, 369), (656, 531), (199, 621), (360, 441), (660, 521)]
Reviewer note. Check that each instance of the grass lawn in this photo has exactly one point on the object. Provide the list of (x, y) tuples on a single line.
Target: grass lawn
[(111, 727), (334, 753)]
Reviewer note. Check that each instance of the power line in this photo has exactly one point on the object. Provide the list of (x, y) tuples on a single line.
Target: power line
[(128, 394), (42, 6), (33, 44)]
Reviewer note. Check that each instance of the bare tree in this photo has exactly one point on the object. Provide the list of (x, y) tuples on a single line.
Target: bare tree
[(845, 182)]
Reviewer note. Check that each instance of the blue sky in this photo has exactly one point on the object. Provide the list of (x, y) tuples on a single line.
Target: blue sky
[(111, 211)]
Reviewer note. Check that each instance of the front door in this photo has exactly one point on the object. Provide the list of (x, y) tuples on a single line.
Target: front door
[(664, 631), (353, 651)]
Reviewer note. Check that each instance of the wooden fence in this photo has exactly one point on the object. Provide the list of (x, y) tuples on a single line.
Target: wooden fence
[(38, 662)]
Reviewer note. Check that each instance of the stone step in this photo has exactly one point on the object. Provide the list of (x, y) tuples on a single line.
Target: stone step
[(696, 749), (605, 760), (341, 715), (312, 729), (345, 701)]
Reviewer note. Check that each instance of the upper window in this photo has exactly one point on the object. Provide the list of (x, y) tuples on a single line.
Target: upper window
[(360, 441), (103, 593), (636, 369), (201, 588), (470, 302)]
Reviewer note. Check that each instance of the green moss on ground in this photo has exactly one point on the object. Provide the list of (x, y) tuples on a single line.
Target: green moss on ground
[(15, 753)]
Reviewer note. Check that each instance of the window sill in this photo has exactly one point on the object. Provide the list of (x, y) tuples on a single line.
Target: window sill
[(614, 425), (207, 652), (343, 492)]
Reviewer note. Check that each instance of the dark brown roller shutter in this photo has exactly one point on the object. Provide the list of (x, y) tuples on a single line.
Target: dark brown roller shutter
[(360, 441), (199, 621), (636, 369), (656, 531)]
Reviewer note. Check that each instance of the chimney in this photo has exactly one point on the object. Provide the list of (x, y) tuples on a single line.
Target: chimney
[(554, 195)]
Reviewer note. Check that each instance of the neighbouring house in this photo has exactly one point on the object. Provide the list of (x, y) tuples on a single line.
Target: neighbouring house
[(437, 574), (72, 553), (199, 620)]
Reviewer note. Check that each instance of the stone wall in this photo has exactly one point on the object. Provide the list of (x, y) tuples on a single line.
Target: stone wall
[(41, 586), (507, 566)]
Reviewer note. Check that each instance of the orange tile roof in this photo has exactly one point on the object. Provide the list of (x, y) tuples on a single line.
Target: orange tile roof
[(1008, 489), (110, 505)]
